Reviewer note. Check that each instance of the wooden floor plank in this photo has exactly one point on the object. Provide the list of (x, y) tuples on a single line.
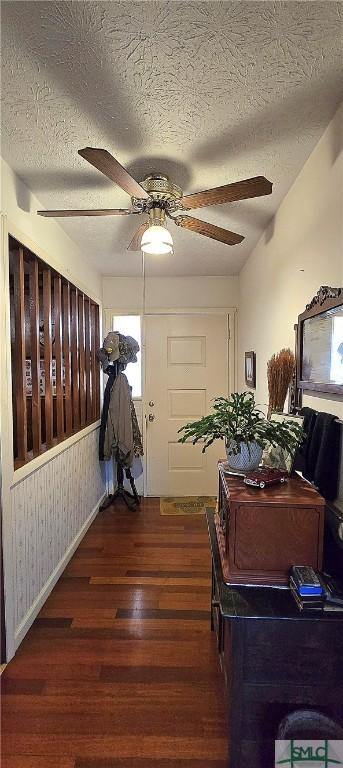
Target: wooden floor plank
[(20, 669), (157, 674), (153, 747), (150, 613), (143, 624), (146, 763), (176, 689), (153, 580), (120, 669), (134, 722), (36, 761), (134, 631), (126, 652)]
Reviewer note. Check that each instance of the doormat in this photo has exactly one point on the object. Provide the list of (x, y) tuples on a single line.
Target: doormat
[(187, 505)]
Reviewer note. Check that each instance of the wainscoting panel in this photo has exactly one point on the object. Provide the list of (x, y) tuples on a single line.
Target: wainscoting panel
[(50, 508)]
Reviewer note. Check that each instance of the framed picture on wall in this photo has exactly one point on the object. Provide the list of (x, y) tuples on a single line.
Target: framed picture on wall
[(250, 369)]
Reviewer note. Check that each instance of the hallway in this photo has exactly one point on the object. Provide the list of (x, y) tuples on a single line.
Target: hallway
[(120, 669)]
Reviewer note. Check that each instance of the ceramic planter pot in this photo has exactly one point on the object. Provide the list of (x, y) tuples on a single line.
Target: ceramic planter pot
[(248, 457)]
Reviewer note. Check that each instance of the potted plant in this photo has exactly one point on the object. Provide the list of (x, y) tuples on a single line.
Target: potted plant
[(245, 430)]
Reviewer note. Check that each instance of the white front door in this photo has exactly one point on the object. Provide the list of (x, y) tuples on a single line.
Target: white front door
[(186, 366)]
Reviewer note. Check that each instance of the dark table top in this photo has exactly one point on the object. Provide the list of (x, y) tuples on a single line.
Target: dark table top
[(294, 491), (242, 602)]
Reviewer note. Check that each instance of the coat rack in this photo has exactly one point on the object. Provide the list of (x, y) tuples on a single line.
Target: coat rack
[(131, 499)]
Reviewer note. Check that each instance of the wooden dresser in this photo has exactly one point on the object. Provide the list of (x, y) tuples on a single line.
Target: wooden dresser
[(275, 660), (267, 531)]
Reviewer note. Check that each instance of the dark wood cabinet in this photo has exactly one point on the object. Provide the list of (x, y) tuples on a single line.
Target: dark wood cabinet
[(267, 531), (275, 660)]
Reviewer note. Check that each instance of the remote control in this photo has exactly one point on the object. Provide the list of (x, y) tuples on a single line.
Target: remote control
[(305, 575), (306, 580)]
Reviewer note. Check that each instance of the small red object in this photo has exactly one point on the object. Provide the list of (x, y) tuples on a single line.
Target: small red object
[(264, 476)]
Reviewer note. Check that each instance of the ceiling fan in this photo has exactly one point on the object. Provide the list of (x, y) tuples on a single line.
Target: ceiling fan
[(157, 197)]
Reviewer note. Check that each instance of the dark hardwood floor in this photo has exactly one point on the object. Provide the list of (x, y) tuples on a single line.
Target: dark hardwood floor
[(120, 669)]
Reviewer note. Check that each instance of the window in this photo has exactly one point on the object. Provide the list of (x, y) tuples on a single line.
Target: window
[(54, 338), (130, 325)]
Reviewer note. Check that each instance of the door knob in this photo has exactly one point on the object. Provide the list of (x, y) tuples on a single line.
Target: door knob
[(151, 417), (151, 403)]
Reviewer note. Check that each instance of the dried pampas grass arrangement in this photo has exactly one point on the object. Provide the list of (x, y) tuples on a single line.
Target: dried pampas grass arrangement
[(280, 369)]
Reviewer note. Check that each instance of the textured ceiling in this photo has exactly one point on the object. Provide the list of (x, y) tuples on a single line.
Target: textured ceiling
[(209, 92)]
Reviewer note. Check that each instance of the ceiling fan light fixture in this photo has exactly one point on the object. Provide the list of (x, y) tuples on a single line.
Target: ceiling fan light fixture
[(157, 197), (157, 241)]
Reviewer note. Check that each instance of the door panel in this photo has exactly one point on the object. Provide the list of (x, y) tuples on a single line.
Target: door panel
[(186, 367), (187, 403), (185, 456), (187, 350)]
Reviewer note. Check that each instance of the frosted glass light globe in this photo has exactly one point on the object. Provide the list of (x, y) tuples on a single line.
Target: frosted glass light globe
[(157, 240)]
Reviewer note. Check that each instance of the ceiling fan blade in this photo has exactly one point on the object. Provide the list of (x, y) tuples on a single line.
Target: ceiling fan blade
[(135, 244), (107, 164), (209, 230), (239, 190), (99, 212)]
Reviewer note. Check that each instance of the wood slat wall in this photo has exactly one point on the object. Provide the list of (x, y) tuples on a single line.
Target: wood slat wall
[(19, 356), (93, 361), (54, 333), (48, 402), (35, 358), (59, 359), (87, 307), (75, 376), (67, 359), (97, 344), (82, 361)]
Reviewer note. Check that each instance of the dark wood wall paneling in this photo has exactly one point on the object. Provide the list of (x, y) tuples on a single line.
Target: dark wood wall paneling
[(95, 342), (19, 355), (82, 360), (35, 357), (67, 359), (87, 310), (59, 358), (56, 327), (48, 357), (75, 359)]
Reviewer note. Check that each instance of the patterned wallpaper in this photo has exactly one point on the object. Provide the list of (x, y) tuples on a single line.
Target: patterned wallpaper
[(210, 92), (48, 510)]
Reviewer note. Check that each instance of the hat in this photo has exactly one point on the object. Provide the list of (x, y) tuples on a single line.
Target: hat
[(128, 348), (111, 345), (103, 358)]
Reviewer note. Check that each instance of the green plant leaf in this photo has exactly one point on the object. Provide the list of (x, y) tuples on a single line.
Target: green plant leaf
[(237, 420)]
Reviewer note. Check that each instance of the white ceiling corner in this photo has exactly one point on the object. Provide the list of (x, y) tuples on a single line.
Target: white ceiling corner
[(209, 92)]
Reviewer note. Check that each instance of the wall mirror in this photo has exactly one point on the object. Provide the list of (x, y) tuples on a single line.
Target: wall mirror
[(320, 343)]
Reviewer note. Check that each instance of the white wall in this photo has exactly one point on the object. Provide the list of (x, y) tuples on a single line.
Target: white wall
[(19, 206), (301, 250), (126, 293), (49, 503), (51, 509)]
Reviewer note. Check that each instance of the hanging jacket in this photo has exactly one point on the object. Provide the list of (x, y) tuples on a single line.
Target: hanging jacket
[(111, 371), (118, 440), (301, 456), (323, 457)]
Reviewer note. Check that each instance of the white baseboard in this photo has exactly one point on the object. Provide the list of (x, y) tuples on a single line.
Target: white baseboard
[(28, 620)]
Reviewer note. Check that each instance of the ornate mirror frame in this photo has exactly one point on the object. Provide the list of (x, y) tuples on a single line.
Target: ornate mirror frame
[(327, 298)]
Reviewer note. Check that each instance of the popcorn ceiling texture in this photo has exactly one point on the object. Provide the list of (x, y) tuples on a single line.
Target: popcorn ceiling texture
[(209, 92)]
